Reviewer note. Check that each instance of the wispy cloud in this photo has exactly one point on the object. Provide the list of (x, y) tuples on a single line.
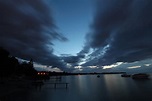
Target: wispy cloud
[(124, 25), (27, 30)]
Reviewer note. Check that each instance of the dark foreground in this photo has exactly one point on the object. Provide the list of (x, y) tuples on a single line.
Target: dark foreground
[(107, 87)]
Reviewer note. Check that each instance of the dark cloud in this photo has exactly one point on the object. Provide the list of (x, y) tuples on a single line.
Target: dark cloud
[(73, 59), (110, 14), (124, 25), (27, 30), (84, 51)]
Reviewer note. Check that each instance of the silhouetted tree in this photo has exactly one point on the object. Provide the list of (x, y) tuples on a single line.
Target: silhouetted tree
[(27, 69), (13, 65), (4, 60), (9, 65)]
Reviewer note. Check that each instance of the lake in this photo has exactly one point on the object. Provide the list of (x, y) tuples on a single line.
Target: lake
[(108, 87)]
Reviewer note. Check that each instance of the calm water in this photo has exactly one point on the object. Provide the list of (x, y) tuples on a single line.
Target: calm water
[(110, 87)]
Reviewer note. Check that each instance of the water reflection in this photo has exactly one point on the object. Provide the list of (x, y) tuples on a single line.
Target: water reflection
[(127, 89), (82, 83), (90, 88), (117, 88)]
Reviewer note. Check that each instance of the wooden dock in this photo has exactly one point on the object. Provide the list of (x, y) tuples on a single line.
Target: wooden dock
[(57, 78), (55, 84)]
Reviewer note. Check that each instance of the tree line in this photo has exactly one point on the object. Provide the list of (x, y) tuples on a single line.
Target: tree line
[(10, 66)]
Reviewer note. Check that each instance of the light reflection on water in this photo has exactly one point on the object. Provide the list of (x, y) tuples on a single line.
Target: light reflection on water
[(110, 87)]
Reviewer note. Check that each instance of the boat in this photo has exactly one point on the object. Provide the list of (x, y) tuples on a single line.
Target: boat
[(125, 75), (140, 76), (98, 76)]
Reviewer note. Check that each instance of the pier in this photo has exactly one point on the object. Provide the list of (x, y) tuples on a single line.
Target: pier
[(57, 78), (55, 84)]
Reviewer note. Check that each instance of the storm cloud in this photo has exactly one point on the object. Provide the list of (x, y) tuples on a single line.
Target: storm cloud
[(27, 30), (121, 31), (73, 59)]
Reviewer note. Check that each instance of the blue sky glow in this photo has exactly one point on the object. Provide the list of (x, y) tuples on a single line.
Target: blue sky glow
[(79, 35)]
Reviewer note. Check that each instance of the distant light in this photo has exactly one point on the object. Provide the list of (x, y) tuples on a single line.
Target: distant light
[(107, 67), (38, 73), (147, 64), (113, 65), (78, 67), (132, 67), (93, 66)]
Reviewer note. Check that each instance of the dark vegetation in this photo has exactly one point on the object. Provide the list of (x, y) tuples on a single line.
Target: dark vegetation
[(11, 67)]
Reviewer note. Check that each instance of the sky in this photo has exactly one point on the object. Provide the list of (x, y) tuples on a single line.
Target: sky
[(79, 35), (72, 18)]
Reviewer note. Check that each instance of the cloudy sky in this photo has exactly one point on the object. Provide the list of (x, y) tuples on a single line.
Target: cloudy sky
[(79, 35)]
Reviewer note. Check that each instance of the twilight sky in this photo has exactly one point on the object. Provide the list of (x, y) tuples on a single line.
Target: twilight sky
[(79, 35)]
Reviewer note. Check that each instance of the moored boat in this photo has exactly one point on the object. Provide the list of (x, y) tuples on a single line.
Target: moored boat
[(140, 76), (125, 75), (98, 76)]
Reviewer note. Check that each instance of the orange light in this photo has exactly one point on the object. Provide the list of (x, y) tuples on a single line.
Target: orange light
[(38, 73), (44, 73)]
